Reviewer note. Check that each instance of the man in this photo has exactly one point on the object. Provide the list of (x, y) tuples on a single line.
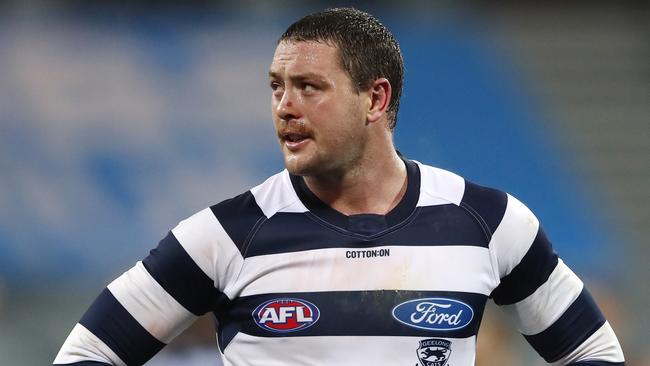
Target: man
[(353, 254)]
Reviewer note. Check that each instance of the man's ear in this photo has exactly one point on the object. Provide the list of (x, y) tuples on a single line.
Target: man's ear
[(379, 93)]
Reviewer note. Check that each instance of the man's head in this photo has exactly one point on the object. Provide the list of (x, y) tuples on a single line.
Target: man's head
[(333, 103), (366, 48)]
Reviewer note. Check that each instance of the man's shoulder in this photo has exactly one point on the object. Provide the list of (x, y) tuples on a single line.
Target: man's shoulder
[(238, 216), (274, 195), (446, 185), (440, 185)]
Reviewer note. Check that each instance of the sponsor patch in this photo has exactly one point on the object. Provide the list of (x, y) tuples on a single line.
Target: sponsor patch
[(286, 315), (434, 352), (368, 253), (434, 314)]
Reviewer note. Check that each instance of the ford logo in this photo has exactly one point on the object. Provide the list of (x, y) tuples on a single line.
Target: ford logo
[(434, 314)]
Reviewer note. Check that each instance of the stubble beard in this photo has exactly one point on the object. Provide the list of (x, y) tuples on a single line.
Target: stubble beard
[(325, 165), (301, 164), (329, 159)]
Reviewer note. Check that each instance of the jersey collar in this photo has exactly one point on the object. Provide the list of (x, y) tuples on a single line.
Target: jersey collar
[(363, 224)]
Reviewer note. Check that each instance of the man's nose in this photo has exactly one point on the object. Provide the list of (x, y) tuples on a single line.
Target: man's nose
[(287, 108)]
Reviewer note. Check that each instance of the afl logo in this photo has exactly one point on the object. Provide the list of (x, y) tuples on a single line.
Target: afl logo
[(286, 315), (434, 314)]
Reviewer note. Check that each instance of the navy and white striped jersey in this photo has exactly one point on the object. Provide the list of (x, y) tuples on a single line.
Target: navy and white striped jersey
[(293, 282)]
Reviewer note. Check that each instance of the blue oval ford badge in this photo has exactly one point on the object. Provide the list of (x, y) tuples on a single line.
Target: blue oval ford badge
[(434, 314)]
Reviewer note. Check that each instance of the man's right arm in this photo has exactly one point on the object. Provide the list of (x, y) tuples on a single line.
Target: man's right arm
[(141, 311)]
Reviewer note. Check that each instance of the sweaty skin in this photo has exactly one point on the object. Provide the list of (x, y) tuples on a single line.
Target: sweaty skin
[(334, 136)]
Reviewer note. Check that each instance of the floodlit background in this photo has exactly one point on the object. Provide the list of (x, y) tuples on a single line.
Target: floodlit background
[(117, 121)]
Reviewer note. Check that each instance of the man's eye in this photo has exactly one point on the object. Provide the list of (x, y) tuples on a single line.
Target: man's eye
[(275, 85), (308, 87)]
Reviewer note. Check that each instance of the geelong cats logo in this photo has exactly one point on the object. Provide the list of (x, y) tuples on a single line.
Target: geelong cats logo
[(434, 314), (286, 315), (434, 352)]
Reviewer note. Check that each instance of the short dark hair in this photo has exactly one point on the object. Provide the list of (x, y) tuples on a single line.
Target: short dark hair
[(367, 49)]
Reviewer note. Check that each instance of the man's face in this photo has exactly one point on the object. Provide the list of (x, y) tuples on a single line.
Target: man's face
[(319, 117)]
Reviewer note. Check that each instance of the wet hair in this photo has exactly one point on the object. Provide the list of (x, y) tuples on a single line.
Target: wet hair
[(367, 49)]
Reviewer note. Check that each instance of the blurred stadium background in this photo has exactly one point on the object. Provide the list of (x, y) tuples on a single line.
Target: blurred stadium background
[(119, 119)]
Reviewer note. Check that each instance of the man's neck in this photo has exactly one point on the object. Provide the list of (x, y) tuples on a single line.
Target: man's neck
[(375, 186)]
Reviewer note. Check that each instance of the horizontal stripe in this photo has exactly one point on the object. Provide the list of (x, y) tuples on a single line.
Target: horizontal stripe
[(110, 322), (541, 309), (527, 276), (597, 363), (455, 268), (158, 312), (277, 195), (171, 266), (439, 186), (210, 247), (82, 347), (429, 226), (239, 216), (366, 313), (602, 346), (339, 351), (439, 225), (84, 363), (514, 236), (578, 323)]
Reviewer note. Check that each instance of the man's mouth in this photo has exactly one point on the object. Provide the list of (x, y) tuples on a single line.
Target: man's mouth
[(295, 141), (292, 137)]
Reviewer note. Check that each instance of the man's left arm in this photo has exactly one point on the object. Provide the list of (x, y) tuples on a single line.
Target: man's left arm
[(548, 302)]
